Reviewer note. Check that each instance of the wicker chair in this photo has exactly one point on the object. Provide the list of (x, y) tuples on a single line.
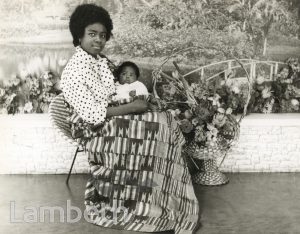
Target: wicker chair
[(58, 115)]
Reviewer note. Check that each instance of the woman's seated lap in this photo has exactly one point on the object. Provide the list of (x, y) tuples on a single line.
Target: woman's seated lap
[(82, 129)]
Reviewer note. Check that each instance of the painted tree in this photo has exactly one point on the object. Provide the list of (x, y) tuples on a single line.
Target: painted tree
[(267, 14), (171, 15), (294, 7), (259, 16), (173, 26)]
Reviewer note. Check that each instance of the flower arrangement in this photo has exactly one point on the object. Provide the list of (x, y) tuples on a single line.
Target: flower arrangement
[(204, 110), (281, 94), (30, 94)]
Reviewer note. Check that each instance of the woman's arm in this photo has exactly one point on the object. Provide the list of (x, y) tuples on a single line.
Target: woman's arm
[(135, 107)]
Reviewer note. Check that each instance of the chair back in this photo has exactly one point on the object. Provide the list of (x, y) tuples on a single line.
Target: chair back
[(58, 116)]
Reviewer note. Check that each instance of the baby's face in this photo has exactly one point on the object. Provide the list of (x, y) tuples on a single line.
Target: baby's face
[(127, 75)]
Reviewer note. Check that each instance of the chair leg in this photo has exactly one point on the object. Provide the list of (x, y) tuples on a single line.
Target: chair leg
[(77, 150)]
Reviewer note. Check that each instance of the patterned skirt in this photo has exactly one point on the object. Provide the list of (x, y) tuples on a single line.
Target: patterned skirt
[(139, 179)]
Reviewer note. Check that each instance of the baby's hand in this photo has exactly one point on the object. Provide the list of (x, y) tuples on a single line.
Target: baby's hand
[(132, 93)]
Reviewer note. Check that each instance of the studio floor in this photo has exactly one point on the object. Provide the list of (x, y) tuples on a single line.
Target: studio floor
[(251, 203)]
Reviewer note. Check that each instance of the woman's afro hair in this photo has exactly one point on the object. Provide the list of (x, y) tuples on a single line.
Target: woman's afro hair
[(87, 14)]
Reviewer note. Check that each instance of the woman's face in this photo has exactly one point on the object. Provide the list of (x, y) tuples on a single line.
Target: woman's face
[(127, 75), (94, 38)]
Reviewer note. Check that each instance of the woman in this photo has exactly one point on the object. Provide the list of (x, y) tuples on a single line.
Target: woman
[(139, 181)]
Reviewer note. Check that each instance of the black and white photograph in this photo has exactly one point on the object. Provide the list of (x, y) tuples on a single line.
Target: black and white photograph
[(150, 116)]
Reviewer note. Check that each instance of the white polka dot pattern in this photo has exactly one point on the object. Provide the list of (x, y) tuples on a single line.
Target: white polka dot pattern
[(86, 83)]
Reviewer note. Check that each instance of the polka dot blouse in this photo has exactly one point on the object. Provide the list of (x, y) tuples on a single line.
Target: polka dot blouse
[(87, 82)]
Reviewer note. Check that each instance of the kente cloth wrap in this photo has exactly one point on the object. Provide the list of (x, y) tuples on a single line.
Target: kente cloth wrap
[(139, 178)]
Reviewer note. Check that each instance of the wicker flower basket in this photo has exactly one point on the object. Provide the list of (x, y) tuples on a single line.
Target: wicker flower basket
[(209, 173), (203, 158)]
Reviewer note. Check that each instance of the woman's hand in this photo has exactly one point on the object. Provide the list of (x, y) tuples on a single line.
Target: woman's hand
[(139, 106), (153, 107), (157, 104)]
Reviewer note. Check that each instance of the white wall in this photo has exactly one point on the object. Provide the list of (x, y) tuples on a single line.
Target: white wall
[(267, 143), (29, 144)]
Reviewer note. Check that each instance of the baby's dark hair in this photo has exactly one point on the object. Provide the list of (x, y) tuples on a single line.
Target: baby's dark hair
[(127, 64), (87, 14)]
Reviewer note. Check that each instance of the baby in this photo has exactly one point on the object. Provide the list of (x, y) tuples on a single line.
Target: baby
[(127, 84), (128, 87)]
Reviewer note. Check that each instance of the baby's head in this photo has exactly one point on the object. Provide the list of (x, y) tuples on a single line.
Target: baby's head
[(127, 73)]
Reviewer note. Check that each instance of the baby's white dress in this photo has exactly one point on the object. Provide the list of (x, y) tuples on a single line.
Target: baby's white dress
[(123, 90)]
